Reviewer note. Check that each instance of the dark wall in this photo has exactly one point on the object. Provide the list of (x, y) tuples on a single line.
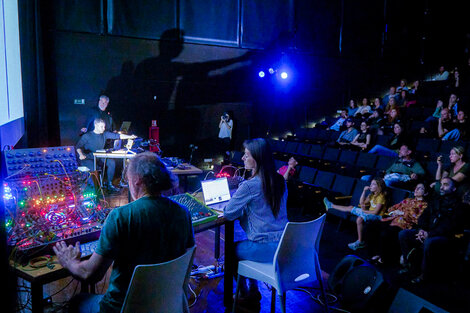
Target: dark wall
[(185, 79)]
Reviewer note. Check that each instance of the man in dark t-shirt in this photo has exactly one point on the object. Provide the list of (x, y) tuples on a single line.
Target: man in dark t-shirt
[(95, 140), (151, 229)]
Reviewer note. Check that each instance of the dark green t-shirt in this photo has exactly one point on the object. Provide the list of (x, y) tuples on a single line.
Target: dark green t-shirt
[(147, 231)]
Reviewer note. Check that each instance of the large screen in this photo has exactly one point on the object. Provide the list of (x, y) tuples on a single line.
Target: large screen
[(11, 94)]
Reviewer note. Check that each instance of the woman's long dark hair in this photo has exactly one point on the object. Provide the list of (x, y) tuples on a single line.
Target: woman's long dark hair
[(273, 184)]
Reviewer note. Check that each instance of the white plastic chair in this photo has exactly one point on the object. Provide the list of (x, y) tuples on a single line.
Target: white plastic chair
[(295, 262), (160, 287)]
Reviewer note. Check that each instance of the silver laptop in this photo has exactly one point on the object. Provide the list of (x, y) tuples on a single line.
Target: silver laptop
[(216, 193)]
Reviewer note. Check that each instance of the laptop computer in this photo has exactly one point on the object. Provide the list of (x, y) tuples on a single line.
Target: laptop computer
[(216, 193), (125, 127)]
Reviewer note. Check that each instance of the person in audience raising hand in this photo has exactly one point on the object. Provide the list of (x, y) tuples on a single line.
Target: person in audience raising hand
[(370, 208)]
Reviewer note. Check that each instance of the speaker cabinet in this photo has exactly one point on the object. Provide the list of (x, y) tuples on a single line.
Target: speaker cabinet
[(356, 282), (405, 301)]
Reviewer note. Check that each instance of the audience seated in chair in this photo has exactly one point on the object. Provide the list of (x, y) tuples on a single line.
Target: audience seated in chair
[(393, 144), (375, 121), (460, 131), (352, 107), (391, 94), (429, 249), (362, 140), (405, 171), (377, 105), (288, 171), (402, 85), (370, 208), (382, 236), (348, 135), (458, 170), (338, 124), (364, 109), (393, 117)]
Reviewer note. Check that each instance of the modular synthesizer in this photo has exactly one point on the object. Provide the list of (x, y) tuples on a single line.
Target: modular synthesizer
[(47, 199)]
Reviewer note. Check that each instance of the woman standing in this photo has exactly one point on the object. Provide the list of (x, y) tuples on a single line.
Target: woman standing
[(260, 205)]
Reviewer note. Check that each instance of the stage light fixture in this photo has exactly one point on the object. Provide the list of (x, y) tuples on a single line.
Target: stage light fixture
[(284, 75), (271, 70), (261, 74)]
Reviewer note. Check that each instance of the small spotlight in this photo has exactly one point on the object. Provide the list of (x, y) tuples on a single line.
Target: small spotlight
[(271, 70), (283, 75), (261, 74)]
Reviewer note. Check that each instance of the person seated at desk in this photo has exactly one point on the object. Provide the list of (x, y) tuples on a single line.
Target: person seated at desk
[(91, 142), (260, 205), (151, 229)]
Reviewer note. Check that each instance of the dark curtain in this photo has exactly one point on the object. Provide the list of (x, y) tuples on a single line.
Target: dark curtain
[(141, 18), (41, 120), (210, 21), (75, 15), (263, 22)]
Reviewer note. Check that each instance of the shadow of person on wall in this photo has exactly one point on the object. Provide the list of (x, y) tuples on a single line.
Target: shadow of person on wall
[(165, 90), (119, 90)]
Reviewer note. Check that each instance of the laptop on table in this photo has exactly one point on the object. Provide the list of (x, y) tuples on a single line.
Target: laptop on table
[(216, 193)]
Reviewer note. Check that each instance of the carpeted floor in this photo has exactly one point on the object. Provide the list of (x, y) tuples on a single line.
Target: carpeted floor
[(451, 295)]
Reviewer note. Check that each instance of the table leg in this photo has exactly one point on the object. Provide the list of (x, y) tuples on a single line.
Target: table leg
[(217, 243), (229, 265), (36, 298)]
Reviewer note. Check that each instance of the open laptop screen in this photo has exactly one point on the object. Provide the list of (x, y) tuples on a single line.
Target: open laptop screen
[(125, 127), (216, 190)]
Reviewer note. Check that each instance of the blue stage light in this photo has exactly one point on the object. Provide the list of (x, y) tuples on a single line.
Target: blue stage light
[(261, 74), (284, 75), (271, 70)]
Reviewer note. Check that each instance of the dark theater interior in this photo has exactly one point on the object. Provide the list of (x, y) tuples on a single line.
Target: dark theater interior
[(234, 156)]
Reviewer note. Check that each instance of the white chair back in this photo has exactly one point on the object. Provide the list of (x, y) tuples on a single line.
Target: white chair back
[(160, 287), (296, 260)]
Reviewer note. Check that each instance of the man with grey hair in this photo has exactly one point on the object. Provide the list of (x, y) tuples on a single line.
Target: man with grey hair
[(100, 112), (151, 229)]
